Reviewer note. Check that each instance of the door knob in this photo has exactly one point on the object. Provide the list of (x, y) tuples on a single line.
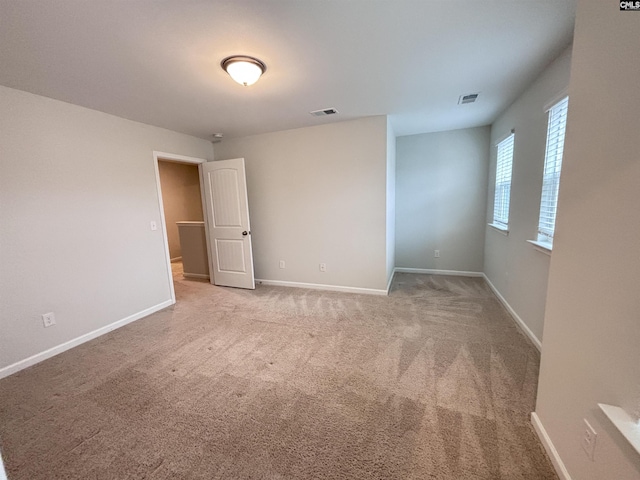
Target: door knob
[(245, 233)]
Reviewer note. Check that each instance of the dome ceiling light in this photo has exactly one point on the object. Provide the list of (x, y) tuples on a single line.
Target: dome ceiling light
[(243, 69)]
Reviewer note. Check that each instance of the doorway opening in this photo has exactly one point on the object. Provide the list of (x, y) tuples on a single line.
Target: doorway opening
[(181, 212)]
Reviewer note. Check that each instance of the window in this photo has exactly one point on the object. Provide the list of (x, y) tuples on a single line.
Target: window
[(504, 164), (552, 167)]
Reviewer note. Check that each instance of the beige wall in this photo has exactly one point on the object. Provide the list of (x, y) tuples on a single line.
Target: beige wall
[(591, 344), (77, 195), (441, 199), (318, 194), (513, 266), (181, 198)]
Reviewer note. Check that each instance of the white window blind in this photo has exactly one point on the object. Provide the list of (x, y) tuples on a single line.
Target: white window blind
[(504, 166), (552, 167)]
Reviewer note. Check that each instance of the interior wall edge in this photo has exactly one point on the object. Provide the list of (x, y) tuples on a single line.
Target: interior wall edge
[(549, 447)]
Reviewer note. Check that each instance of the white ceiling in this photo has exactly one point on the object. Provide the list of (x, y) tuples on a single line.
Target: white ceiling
[(158, 61)]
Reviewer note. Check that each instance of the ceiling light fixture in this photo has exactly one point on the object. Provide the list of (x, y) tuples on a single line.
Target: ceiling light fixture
[(243, 69)]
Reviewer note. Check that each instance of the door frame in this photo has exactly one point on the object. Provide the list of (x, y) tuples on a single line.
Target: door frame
[(172, 157)]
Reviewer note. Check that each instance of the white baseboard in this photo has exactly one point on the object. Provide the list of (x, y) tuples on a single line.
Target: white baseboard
[(3, 474), (390, 280), (558, 464), (317, 286), (195, 275), (523, 326), (39, 357), (429, 271)]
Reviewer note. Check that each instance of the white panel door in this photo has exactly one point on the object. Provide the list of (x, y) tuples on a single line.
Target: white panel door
[(229, 231)]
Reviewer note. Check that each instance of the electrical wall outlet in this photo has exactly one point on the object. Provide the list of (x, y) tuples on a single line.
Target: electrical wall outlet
[(436, 253), (48, 319), (323, 267), (589, 438), (281, 263), (154, 225)]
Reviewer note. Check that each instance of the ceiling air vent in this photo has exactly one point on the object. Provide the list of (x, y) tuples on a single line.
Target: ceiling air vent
[(470, 98), (323, 112)]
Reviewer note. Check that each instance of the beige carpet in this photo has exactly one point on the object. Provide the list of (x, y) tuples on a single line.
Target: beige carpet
[(432, 382)]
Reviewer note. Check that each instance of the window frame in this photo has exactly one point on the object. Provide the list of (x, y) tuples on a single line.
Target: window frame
[(505, 149), (551, 173)]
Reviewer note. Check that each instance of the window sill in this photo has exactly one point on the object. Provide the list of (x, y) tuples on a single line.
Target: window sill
[(629, 428), (541, 246), (499, 228)]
